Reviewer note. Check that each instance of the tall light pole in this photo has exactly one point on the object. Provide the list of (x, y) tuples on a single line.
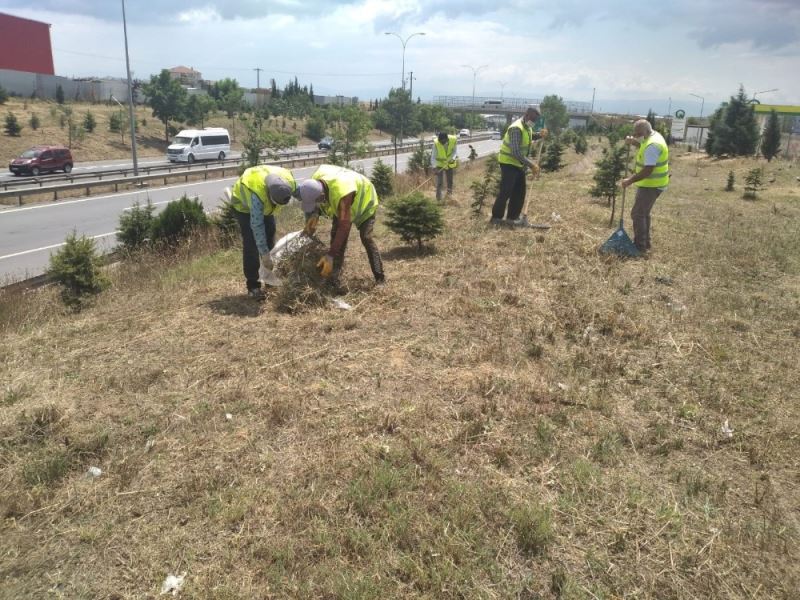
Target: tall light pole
[(502, 87), (702, 104), (762, 92), (404, 42), (402, 81), (475, 71), (130, 95)]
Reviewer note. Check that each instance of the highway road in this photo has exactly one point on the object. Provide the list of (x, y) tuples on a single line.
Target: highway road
[(29, 234)]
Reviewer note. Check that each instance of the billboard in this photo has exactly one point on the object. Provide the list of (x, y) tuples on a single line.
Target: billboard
[(25, 45), (678, 129)]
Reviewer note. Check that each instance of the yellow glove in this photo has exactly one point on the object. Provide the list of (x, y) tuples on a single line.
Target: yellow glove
[(325, 265), (544, 133), (535, 170), (311, 226)]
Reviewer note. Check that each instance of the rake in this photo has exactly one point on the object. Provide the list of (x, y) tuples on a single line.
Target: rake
[(620, 243), (524, 217)]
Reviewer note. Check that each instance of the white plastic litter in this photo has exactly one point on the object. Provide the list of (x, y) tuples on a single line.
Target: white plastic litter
[(555, 217), (269, 278), (291, 242), (563, 386), (727, 430), (94, 471), (173, 584), (341, 304), (228, 416)]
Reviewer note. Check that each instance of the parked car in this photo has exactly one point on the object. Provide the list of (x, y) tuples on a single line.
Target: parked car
[(497, 135), (325, 143), (42, 159), (464, 133)]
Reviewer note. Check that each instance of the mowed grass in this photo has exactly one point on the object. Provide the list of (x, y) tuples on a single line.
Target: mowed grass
[(513, 416)]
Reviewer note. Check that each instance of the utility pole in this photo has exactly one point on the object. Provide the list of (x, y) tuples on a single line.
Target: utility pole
[(593, 92), (258, 77), (130, 95), (411, 85)]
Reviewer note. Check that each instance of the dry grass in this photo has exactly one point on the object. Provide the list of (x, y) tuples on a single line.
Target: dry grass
[(513, 416)]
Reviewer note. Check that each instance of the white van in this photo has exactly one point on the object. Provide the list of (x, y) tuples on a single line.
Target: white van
[(196, 144)]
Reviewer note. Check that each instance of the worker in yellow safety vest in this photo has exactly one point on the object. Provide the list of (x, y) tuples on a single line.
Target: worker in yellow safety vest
[(651, 177), (348, 198), (514, 160), (257, 196), (444, 161)]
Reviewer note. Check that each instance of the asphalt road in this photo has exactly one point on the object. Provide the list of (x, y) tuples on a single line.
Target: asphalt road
[(30, 233)]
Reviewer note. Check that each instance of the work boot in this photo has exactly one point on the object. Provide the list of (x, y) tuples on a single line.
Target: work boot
[(498, 222), (256, 294)]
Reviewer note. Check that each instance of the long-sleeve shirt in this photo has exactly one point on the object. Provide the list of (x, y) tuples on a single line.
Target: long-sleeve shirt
[(515, 145), (257, 223)]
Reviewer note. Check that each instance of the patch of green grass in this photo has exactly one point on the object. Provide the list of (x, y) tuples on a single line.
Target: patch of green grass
[(47, 468), (533, 528)]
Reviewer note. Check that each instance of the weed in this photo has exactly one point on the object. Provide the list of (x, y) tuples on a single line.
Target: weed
[(533, 528)]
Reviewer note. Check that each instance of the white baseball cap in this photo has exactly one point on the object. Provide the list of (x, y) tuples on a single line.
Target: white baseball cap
[(309, 192)]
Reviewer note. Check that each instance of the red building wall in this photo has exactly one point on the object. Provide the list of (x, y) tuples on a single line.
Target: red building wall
[(25, 45)]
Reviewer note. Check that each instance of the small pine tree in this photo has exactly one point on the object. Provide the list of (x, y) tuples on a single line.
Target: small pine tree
[(179, 219), (552, 157), (483, 189), (76, 268), (3, 95), (382, 178), (420, 161), (13, 128), (731, 181), (753, 184), (35, 122), (60, 94), (136, 226), (610, 168), (89, 122), (226, 222), (473, 154), (415, 218), (771, 142), (581, 146)]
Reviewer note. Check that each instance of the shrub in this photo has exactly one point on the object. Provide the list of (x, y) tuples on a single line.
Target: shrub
[(420, 161), (3, 95), (179, 219), (136, 226), (13, 127), (415, 218), (226, 222), (60, 94), (552, 157), (753, 184), (580, 145), (115, 122), (382, 177), (89, 122), (35, 122), (483, 189), (76, 268), (731, 180)]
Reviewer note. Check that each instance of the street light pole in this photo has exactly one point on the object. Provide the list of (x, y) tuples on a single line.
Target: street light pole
[(702, 104), (475, 71), (752, 100), (502, 87), (130, 95), (402, 82)]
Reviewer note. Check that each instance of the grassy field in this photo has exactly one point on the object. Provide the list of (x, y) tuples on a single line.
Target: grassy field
[(103, 144), (512, 416)]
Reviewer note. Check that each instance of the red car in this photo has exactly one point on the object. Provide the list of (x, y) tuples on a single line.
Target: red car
[(42, 159)]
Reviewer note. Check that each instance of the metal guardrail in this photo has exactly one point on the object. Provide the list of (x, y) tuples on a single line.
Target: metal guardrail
[(292, 161)]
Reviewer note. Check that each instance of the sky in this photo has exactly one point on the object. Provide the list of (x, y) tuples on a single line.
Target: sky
[(632, 55)]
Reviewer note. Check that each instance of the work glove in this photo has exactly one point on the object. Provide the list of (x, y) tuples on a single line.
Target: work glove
[(266, 262), (311, 226), (543, 134), (325, 265), (535, 170)]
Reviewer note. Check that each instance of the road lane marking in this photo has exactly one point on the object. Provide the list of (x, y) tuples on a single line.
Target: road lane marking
[(93, 237)]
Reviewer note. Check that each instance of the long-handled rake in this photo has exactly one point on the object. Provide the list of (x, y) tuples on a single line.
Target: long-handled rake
[(524, 217), (620, 243)]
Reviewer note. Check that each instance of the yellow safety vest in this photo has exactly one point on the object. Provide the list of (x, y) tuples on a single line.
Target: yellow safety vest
[(252, 180), (341, 182), (442, 153), (660, 176), (506, 157)]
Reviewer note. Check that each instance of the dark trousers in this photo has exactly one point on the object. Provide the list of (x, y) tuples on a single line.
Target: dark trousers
[(250, 258), (373, 254), (640, 216), (512, 191)]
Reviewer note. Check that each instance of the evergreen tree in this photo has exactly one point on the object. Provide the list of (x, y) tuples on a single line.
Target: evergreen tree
[(771, 142), (382, 177), (89, 122), (651, 118), (60, 94), (76, 267), (733, 130), (581, 146), (13, 128), (752, 184), (610, 168), (135, 226), (3, 95), (731, 180), (420, 161), (552, 157), (415, 218), (35, 122)]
